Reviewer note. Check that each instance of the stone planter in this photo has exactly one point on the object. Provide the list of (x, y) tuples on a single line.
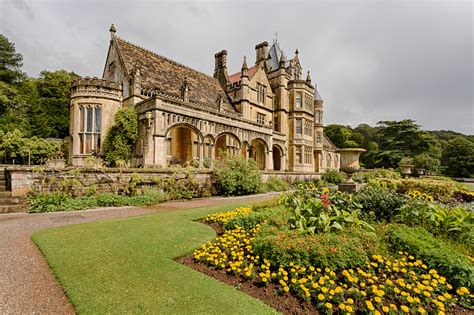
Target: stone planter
[(349, 165), (405, 170), (420, 171)]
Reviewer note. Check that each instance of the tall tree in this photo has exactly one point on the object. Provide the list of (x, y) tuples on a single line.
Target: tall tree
[(10, 62), (397, 139), (460, 157), (50, 111)]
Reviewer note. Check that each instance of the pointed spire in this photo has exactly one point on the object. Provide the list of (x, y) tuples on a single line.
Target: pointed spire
[(244, 65), (308, 78), (297, 52), (245, 68)]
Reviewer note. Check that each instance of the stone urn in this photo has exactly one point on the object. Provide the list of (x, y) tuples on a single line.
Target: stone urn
[(420, 171), (349, 165), (406, 170)]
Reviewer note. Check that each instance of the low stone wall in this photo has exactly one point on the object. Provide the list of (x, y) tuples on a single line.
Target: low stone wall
[(22, 179)]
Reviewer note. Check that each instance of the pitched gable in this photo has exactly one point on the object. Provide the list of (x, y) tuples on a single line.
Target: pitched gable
[(168, 76)]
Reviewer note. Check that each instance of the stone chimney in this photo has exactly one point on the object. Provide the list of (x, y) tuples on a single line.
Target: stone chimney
[(261, 52), (220, 69)]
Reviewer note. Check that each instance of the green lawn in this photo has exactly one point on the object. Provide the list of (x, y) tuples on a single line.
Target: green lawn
[(126, 266)]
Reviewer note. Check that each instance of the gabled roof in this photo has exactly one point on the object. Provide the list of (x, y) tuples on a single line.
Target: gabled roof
[(236, 76), (167, 75)]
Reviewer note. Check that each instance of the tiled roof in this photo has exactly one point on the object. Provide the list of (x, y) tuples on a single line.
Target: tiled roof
[(159, 72), (274, 56), (236, 76)]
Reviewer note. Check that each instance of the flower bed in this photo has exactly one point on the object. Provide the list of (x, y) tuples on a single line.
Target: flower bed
[(380, 285)]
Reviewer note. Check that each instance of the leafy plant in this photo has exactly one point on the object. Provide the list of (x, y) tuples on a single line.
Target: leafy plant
[(333, 177), (314, 211), (274, 183), (235, 176), (384, 204)]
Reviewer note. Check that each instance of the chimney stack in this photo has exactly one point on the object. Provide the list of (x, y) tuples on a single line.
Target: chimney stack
[(261, 51), (220, 70)]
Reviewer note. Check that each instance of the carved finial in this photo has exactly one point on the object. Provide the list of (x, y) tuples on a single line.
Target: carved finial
[(297, 52), (185, 90), (244, 65), (219, 102), (308, 78), (282, 60), (112, 28)]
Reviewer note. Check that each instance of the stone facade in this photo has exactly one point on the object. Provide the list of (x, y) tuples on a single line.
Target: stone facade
[(266, 112)]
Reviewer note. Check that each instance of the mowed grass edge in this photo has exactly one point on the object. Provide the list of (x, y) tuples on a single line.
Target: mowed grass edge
[(126, 266)]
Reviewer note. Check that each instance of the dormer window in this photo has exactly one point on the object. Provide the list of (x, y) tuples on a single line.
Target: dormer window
[(260, 93)]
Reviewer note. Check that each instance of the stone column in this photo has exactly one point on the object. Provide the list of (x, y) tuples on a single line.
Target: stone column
[(159, 149)]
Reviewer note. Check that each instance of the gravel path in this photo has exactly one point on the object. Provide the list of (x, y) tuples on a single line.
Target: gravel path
[(27, 285)]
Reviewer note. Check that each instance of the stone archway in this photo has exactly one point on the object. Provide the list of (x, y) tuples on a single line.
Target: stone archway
[(277, 158), (226, 144), (182, 145), (257, 152)]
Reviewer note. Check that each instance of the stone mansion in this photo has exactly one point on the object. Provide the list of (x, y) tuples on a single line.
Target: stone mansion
[(268, 111)]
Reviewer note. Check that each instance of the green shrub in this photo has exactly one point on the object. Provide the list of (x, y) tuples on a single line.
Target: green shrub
[(434, 252), (383, 204), (182, 186), (118, 144), (274, 183), (236, 176), (59, 201), (45, 202), (347, 248), (333, 177), (369, 175)]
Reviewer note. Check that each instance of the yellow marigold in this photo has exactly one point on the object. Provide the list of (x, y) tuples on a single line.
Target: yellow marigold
[(342, 306), (405, 309), (349, 308), (328, 305), (385, 309), (350, 301), (320, 297), (370, 306)]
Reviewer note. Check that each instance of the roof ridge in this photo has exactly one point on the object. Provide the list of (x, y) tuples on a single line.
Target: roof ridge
[(166, 58)]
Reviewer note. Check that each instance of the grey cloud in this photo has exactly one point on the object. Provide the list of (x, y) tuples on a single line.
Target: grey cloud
[(372, 60)]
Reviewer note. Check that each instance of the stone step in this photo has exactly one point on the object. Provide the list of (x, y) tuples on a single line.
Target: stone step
[(13, 208), (3, 187), (5, 194), (2, 177), (13, 201)]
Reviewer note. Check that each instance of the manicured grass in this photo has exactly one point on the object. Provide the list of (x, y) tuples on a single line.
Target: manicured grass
[(126, 266)]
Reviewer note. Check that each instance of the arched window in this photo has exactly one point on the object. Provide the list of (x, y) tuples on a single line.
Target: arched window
[(329, 161)]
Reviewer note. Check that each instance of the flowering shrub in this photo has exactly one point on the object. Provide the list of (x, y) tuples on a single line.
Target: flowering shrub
[(438, 254), (405, 285)]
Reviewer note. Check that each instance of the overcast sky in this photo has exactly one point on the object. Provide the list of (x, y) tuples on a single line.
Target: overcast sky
[(372, 60)]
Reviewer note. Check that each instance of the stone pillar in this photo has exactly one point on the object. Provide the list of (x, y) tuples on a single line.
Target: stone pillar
[(159, 151), (201, 154)]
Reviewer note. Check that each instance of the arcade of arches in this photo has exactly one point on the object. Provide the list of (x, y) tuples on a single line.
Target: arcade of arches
[(185, 144)]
